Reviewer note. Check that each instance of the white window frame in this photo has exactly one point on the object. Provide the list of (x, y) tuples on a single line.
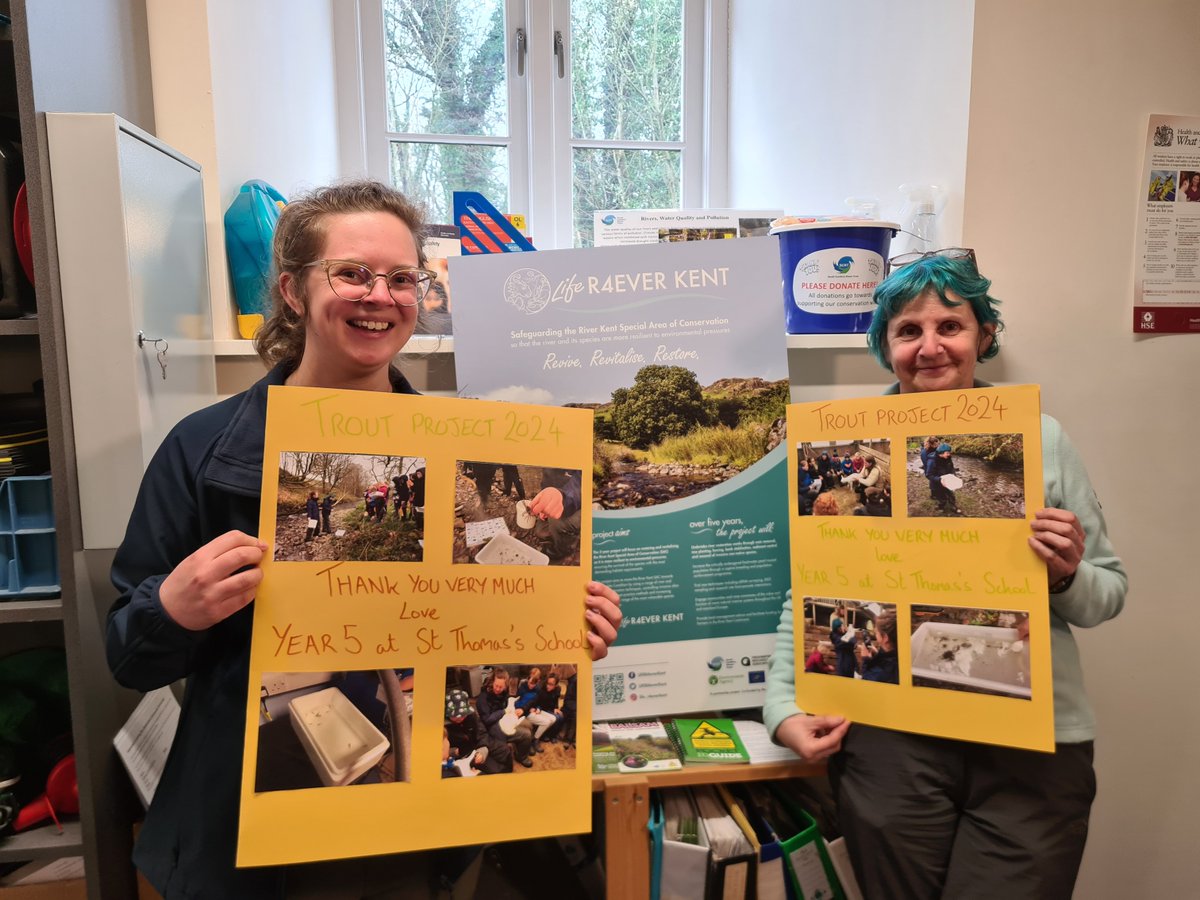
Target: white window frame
[(539, 108)]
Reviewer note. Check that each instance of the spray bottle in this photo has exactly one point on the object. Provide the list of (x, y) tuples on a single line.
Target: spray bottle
[(920, 218)]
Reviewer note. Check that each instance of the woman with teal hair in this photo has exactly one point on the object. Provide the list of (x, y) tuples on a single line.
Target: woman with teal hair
[(927, 817)]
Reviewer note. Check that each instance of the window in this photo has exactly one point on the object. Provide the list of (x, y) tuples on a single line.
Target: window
[(552, 108)]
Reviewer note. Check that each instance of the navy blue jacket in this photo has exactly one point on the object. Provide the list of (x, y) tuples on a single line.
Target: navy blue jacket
[(203, 481)]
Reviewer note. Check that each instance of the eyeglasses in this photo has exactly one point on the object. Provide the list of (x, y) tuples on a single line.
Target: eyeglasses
[(353, 281), (907, 259)]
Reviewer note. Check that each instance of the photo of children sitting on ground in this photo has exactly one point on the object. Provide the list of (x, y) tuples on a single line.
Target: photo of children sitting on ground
[(979, 476), (350, 508), (983, 651), (332, 729), (844, 478), (851, 638), (513, 515), (509, 718)]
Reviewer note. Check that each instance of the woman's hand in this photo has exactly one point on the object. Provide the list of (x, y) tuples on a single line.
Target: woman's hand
[(1058, 540), (812, 737), (210, 586), (603, 616)]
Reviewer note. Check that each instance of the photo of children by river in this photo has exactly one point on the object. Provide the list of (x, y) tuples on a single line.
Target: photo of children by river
[(507, 514), (333, 729), (510, 717), (666, 437), (844, 478), (983, 651), (977, 476), (350, 508), (851, 639)]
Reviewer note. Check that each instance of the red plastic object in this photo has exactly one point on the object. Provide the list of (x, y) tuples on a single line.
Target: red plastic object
[(22, 235), (62, 796)]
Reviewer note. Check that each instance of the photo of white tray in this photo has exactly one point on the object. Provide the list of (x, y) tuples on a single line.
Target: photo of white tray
[(339, 740), (996, 659), (481, 532), (506, 550)]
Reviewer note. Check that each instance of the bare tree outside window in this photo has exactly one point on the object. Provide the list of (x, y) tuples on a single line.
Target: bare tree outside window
[(448, 118)]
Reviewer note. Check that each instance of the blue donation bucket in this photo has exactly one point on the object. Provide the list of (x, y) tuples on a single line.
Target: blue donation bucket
[(249, 229), (831, 266)]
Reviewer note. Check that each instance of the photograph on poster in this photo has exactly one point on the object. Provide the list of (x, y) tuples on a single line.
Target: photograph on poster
[(844, 478), (675, 235), (350, 507), (666, 437), (977, 476), (851, 639), (507, 514), (511, 717), (1162, 185), (333, 729), (1189, 186), (983, 651)]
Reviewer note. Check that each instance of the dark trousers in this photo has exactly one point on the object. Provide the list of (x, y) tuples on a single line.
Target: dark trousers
[(925, 817)]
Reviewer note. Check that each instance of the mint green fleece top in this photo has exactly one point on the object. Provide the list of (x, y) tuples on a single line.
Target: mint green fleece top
[(1096, 595)]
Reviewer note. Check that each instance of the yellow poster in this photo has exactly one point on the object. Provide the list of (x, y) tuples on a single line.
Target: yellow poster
[(419, 632), (918, 602)]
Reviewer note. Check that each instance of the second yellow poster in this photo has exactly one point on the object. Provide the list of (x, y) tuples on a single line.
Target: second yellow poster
[(917, 602)]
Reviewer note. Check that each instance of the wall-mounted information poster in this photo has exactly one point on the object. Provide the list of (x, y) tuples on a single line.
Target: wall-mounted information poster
[(419, 632), (918, 602), (1166, 298), (678, 350)]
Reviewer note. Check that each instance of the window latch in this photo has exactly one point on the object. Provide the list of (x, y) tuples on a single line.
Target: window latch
[(520, 52), (560, 53)]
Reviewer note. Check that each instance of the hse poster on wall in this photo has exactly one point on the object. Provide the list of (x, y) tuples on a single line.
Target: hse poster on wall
[(416, 631), (918, 603), (678, 350), (1167, 281)]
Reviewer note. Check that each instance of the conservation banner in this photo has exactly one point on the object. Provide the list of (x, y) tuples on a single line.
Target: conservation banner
[(918, 602), (411, 632), (678, 349)]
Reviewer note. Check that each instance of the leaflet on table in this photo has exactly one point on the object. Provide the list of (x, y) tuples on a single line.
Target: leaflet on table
[(918, 603), (679, 351), (400, 581), (613, 227), (1166, 292)]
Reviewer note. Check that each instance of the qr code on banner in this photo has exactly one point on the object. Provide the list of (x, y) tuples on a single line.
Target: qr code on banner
[(609, 687)]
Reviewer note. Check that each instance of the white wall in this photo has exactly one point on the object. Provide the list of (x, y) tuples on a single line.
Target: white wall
[(273, 93), (1059, 99), (830, 100), (1061, 93)]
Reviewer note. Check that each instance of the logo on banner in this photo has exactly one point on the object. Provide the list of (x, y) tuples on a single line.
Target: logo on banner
[(528, 290), (1148, 320), (1164, 136)]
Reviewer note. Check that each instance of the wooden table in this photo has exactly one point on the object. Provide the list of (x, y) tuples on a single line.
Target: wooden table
[(627, 814)]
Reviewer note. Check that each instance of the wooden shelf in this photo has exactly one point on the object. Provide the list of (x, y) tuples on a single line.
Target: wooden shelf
[(27, 325), (827, 341), (43, 842), (50, 609), (627, 814)]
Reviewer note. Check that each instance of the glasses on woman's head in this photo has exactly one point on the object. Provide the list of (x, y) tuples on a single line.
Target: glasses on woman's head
[(353, 281), (907, 259)]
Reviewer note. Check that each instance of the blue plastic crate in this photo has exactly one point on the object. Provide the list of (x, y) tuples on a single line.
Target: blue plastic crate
[(28, 543)]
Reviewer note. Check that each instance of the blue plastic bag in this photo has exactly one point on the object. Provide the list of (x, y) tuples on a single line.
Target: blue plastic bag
[(249, 229)]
